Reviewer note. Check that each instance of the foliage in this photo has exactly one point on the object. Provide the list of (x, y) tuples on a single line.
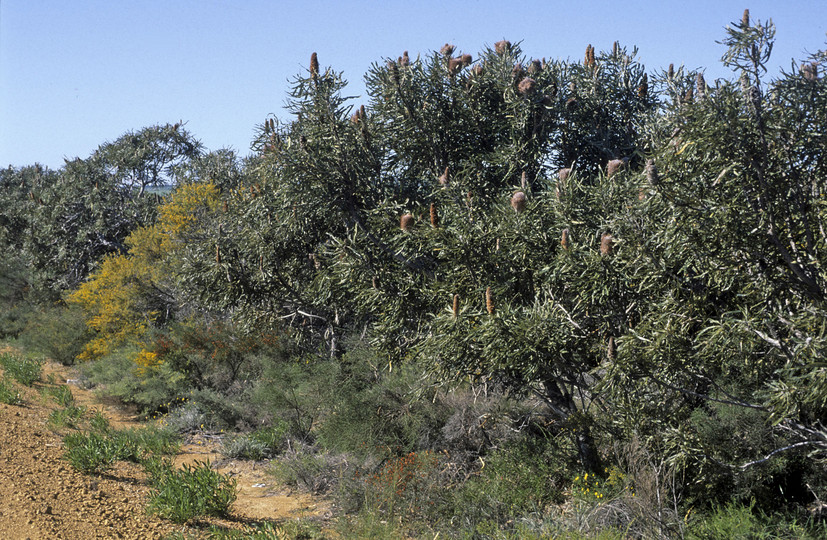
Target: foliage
[(58, 332), (70, 416), (26, 371), (194, 491), (91, 453), (8, 393)]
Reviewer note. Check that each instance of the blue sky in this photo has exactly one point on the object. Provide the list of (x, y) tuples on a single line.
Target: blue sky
[(75, 74)]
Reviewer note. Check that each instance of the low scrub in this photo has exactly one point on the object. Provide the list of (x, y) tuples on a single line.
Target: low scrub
[(196, 490), (26, 371)]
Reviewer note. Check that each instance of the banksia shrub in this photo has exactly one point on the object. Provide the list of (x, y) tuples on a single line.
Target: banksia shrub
[(489, 301), (434, 216), (606, 242), (502, 47), (564, 239), (314, 66), (614, 166), (455, 307), (406, 223), (518, 201), (527, 86)]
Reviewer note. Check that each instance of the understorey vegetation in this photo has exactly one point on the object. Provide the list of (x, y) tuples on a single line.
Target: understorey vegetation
[(500, 297)]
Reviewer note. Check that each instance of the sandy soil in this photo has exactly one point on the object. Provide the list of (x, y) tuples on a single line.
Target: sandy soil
[(41, 496)]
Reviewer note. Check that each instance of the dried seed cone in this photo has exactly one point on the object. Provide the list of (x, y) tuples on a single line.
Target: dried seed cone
[(217, 254), (447, 49), (611, 349), (444, 178), (405, 59), (518, 201), (523, 180), (374, 283), (535, 67), (455, 307), (527, 86), (406, 222), (614, 166), (671, 73), (745, 18), (700, 86), (314, 66), (810, 71), (652, 173), (434, 216), (502, 47), (454, 66), (606, 242), (565, 241), (563, 174), (466, 59), (489, 301)]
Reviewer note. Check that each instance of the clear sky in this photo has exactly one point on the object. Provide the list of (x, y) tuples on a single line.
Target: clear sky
[(77, 73)]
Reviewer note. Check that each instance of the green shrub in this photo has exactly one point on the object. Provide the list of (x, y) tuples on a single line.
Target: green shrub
[(147, 440), (8, 393), (62, 394), (68, 417), (196, 490), (260, 444), (91, 453), (60, 333), (26, 371)]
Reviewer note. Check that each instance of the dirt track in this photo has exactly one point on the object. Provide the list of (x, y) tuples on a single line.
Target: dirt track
[(41, 496)]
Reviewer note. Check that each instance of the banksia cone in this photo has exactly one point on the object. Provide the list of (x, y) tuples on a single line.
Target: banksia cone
[(587, 60), (535, 67), (611, 350), (523, 180), (454, 65), (606, 242), (374, 283), (564, 239), (652, 173), (434, 216), (477, 70), (614, 166), (466, 59), (689, 96), (745, 18), (217, 254), (314, 66), (563, 174), (447, 49), (700, 86), (405, 60), (502, 47), (489, 301), (527, 86), (615, 49), (224, 207), (455, 307), (517, 71), (406, 223), (394, 68), (810, 71), (671, 73), (444, 178), (272, 125), (518, 201), (643, 89)]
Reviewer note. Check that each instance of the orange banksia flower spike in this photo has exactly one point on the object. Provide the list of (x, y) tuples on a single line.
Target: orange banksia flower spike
[(565, 241), (455, 307), (518, 201), (671, 73), (406, 222), (434, 216), (643, 89), (652, 173), (745, 18), (489, 301)]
